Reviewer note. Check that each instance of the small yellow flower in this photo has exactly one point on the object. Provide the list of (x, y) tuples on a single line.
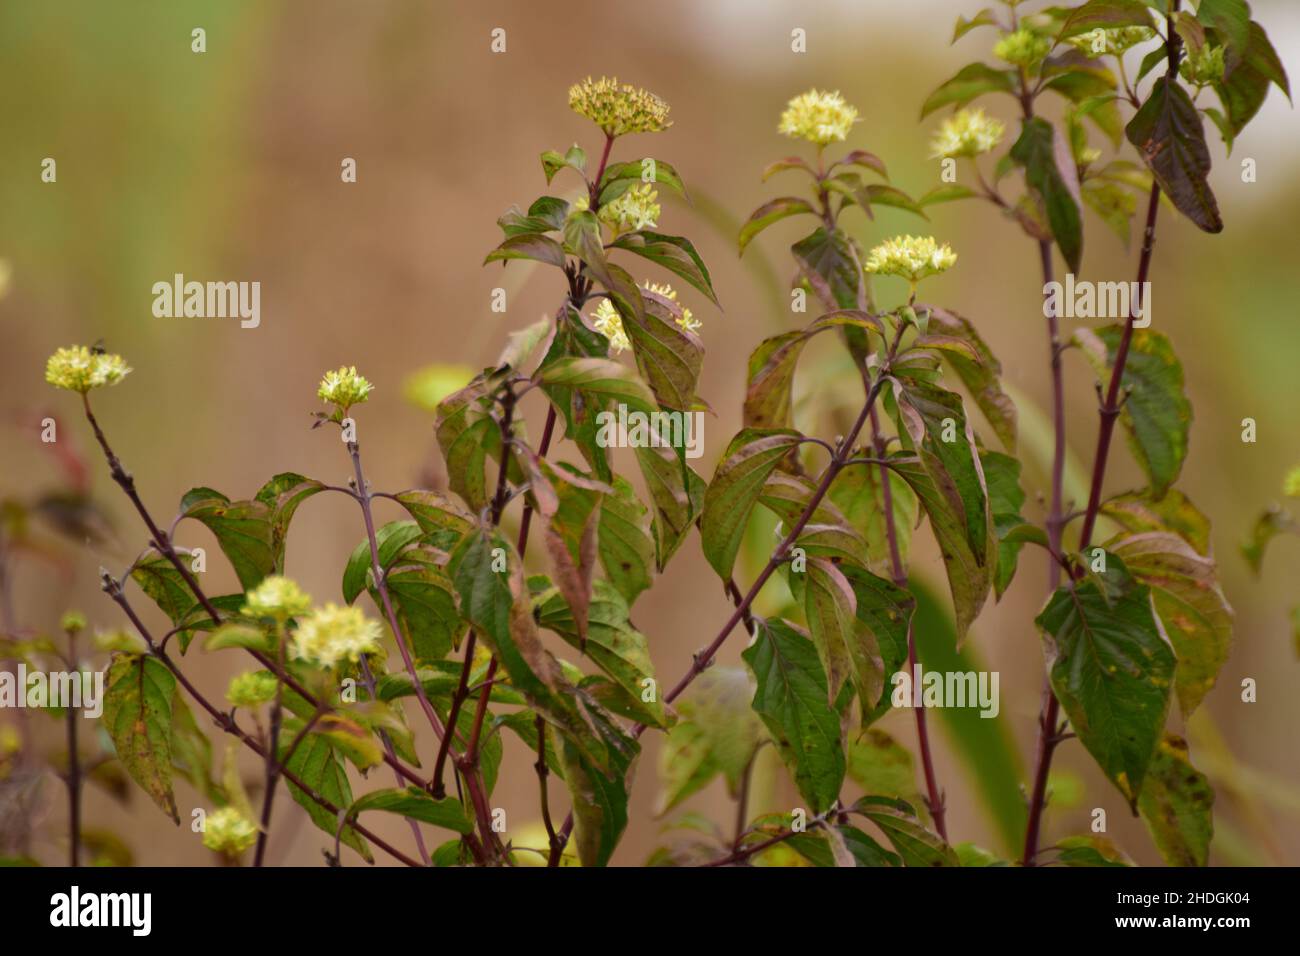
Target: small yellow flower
[(819, 117), (1025, 47), (276, 597), (966, 133), (910, 257), (1112, 42), (344, 387), (79, 369), (251, 689), (333, 634), (1089, 155), (619, 109), (73, 622), (1291, 484), (638, 208), (609, 323), (229, 832), (1203, 68)]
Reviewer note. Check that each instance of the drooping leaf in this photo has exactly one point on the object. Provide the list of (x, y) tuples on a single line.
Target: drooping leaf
[(1156, 413), (138, 696), (1106, 15), (917, 845), (1002, 474), (441, 519), (1177, 805), (674, 253), (1050, 170), (950, 485), (793, 701), (750, 457), (1195, 614), (846, 646), (626, 549), (1170, 137), (882, 766), (981, 374), (859, 492), (1112, 670), (159, 579), (242, 530), (885, 610), (1135, 512), (599, 801), (832, 267), (319, 766), (1272, 522), (774, 211), (969, 82), (1245, 85), (668, 356), (282, 495)]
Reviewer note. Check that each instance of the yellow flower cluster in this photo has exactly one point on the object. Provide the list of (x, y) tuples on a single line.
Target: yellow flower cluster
[(819, 117), (966, 133), (344, 387), (638, 208), (609, 323), (251, 689), (333, 634), (79, 369), (229, 832), (276, 597), (1024, 47), (910, 257), (1112, 42), (619, 108)]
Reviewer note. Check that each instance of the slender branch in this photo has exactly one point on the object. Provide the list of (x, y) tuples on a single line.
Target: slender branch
[(705, 657), (543, 771), (741, 854), (227, 723), (934, 795), (742, 802), (273, 746), (1050, 727), (74, 764)]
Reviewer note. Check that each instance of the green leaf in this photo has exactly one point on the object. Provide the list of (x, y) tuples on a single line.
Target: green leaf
[(1268, 525), (677, 494), (946, 192), (717, 733), (599, 802), (390, 540), (1191, 606), (467, 434), (1105, 14), (1050, 170), (1230, 19), (674, 253), (1169, 135), (531, 245), (623, 541), (620, 177), (830, 264), (138, 696), (979, 370), (793, 701), (971, 81), (668, 356), (414, 803), (768, 398), (191, 751), (441, 519), (1156, 413), (234, 634), (159, 579), (847, 648), (603, 378), (750, 457), (242, 529), (985, 18), (546, 214), (915, 844), (1245, 86), (885, 610), (425, 605), (570, 534), (573, 158), (612, 643), (1002, 474), (837, 846), (1113, 203), (1136, 511), (859, 493), (1112, 669), (1177, 805), (881, 195), (319, 766), (282, 495), (949, 483), (1089, 851), (882, 766)]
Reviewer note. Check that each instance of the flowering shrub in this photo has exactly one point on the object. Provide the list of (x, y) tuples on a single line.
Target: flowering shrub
[(438, 612)]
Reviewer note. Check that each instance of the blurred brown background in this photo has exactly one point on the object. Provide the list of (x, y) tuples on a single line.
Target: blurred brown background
[(225, 165)]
